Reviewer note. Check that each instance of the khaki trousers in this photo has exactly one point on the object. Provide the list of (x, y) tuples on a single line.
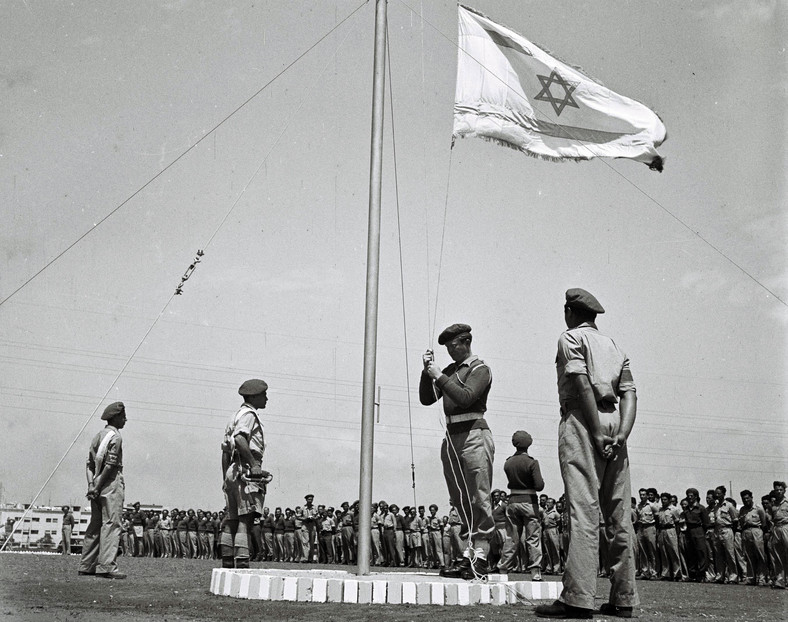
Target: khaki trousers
[(467, 468), (102, 538), (593, 484)]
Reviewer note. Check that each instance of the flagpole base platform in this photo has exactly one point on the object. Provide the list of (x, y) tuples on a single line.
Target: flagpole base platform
[(392, 588)]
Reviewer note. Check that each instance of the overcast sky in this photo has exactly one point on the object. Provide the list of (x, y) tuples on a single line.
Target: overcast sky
[(98, 98)]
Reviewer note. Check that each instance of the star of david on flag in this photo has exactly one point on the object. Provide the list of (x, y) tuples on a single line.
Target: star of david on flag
[(512, 92)]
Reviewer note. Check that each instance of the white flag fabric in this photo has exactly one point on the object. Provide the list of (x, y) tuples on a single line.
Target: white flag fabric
[(512, 92)]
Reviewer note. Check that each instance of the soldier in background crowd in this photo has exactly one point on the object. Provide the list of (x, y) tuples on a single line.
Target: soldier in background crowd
[(66, 528)]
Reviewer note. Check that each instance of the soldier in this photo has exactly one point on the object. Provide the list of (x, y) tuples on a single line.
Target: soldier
[(697, 521), (268, 550), (667, 539), (309, 529), (647, 533), (725, 516), (289, 535), (66, 529), (138, 527), (468, 450), (780, 533), (525, 481), (106, 490), (326, 528), (348, 535), (244, 478), (550, 522), (434, 529), (598, 409), (752, 518)]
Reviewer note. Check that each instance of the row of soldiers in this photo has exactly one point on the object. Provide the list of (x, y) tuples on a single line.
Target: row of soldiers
[(721, 542), (677, 540)]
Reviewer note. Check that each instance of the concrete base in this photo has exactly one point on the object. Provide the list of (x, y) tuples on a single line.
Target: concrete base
[(338, 586)]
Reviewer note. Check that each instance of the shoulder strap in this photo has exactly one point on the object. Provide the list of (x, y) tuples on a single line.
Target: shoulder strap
[(101, 452)]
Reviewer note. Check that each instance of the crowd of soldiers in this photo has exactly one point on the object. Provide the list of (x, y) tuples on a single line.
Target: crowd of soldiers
[(679, 540)]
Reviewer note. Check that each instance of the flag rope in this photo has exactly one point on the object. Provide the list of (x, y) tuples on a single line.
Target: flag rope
[(610, 167), (401, 268)]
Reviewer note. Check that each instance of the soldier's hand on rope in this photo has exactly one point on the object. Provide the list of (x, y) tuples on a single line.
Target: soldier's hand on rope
[(433, 371)]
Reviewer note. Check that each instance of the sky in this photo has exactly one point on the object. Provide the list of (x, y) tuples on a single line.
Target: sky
[(101, 98)]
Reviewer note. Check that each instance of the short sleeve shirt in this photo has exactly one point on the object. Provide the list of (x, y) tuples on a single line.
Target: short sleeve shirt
[(247, 423), (584, 350), (114, 452)]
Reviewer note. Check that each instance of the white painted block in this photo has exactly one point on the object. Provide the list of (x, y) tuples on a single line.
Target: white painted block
[(379, 592), (319, 590), (438, 596), (243, 591), (554, 588), (423, 593), (364, 592), (452, 597), (254, 586), (235, 585), (335, 588), (350, 591), (463, 594), (264, 592), (475, 593), (498, 594), (277, 588), (536, 590), (290, 588), (485, 596), (304, 589), (394, 595), (409, 592)]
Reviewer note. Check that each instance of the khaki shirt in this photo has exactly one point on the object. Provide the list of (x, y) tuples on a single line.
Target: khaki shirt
[(584, 350)]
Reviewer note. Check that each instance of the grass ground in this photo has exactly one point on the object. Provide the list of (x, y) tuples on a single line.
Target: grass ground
[(39, 588)]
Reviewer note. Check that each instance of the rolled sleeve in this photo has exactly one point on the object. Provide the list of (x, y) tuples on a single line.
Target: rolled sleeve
[(570, 354), (626, 381)]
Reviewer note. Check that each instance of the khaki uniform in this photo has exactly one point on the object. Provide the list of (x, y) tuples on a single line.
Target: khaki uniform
[(102, 538), (593, 484)]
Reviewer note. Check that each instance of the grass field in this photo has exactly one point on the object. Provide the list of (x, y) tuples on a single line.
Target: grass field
[(39, 588)]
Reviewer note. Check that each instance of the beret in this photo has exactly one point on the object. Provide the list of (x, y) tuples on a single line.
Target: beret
[(253, 387), (522, 440), (577, 298), (309, 496), (113, 409), (453, 331)]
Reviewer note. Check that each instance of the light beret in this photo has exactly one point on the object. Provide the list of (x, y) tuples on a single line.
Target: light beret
[(453, 331), (113, 409), (577, 298), (253, 387), (522, 440)]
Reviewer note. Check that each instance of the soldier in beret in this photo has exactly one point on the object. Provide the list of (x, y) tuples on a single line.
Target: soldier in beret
[(468, 450), (598, 407), (244, 478), (106, 492)]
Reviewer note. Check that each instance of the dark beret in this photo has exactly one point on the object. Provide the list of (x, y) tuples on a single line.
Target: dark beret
[(577, 298), (253, 387), (453, 331), (522, 440), (309, 496), (116, 408)]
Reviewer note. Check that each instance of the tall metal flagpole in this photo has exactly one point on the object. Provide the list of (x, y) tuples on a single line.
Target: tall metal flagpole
[(371, 317)]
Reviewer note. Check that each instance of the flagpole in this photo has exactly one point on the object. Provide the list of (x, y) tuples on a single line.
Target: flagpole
[(371, 316)]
